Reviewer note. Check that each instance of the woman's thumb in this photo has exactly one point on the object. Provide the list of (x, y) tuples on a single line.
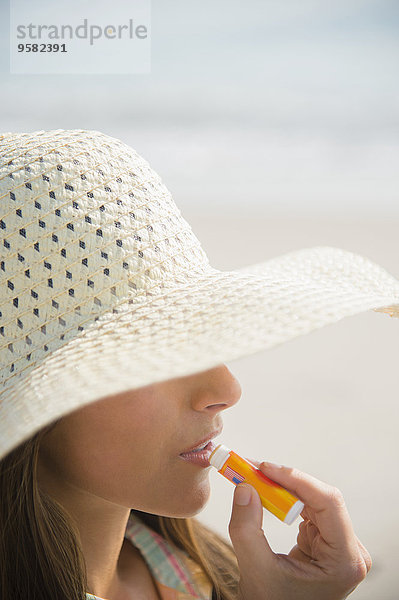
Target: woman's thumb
[(245, 529)]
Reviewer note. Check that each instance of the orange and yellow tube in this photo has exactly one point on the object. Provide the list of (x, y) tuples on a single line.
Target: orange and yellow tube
[(276, 499)]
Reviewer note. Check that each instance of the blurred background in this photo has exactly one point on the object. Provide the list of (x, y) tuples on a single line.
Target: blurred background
[(275, 125)]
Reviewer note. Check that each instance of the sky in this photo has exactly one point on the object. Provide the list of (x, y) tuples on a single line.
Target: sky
[(289, 106)]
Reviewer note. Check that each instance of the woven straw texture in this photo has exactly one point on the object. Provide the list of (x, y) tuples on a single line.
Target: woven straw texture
[(104, 286)]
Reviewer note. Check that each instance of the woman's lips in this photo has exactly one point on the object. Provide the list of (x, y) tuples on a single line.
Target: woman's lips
[(200, 458)]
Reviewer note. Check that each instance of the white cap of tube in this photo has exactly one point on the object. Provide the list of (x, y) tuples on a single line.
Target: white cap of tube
[(219, 456), (294, 512)]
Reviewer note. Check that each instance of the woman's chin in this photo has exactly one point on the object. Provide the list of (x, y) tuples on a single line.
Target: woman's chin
[(192, 501)]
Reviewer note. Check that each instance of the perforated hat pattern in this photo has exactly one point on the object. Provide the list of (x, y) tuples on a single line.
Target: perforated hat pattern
[(86, 224)]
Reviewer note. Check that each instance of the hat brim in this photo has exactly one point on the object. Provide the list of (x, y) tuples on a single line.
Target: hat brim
[(212, 318)]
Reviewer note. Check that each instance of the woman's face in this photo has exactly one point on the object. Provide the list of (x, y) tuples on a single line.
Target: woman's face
[(125, 448)]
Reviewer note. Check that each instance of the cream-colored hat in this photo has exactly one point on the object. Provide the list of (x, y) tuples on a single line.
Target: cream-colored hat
[(105, 287)]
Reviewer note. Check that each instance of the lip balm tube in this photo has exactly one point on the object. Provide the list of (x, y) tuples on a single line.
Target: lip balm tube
[(276, 499)]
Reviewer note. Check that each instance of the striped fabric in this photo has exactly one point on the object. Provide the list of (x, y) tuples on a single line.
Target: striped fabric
[(176, 575)]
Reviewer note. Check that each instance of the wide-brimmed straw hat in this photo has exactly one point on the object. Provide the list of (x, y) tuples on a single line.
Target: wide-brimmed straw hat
[(104, 286)]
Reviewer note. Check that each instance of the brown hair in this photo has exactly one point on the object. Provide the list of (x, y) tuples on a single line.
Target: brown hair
[(40, 552)]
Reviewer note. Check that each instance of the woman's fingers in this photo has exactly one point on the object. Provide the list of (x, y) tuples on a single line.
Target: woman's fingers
[(245, 529), (329, 511), (328, 560), (306, 536), (366, 555)]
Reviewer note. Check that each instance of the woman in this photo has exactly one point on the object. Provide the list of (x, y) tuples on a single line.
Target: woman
[(115, 332)]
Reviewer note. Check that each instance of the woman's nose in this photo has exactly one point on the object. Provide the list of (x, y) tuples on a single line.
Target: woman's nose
[(217, 390)]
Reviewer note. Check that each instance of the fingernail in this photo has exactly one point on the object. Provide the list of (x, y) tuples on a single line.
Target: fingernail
[(270, 465), (242, 495)]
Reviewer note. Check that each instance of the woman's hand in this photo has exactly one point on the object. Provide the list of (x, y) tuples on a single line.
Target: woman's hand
[(327, 563)]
